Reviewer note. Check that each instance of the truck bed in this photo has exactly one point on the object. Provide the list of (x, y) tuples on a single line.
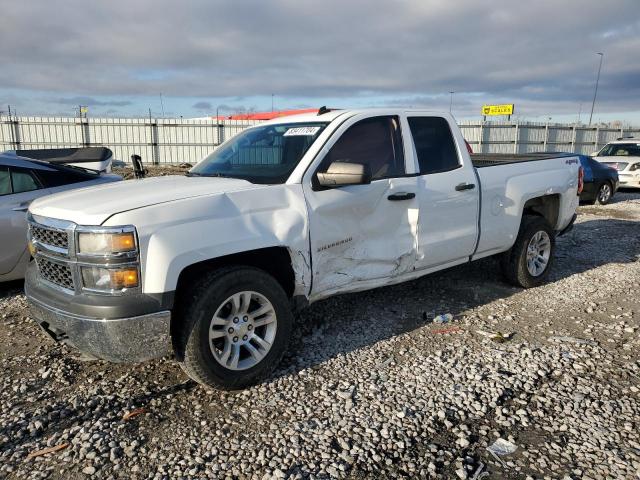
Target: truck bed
[(481, 160)]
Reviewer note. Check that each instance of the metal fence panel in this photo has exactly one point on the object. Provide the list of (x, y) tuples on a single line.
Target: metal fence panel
[(177, 140)]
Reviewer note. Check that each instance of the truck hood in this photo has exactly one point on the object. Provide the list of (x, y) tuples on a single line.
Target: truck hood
[(93, 205)]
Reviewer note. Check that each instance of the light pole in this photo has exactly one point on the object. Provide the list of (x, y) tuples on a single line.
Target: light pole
[(451, 101), (595, 93)]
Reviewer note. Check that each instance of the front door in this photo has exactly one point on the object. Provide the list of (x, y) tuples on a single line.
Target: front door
[(363, 235)]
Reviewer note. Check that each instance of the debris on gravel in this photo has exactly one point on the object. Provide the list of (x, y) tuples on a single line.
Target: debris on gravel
[(154, 170), (368, 389)]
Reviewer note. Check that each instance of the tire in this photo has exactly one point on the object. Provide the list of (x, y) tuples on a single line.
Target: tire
[(604, 195), (208, 345), (514, 262)]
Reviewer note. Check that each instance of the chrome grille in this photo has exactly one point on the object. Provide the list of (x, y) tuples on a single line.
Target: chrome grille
[(55, 273), (51, 237)]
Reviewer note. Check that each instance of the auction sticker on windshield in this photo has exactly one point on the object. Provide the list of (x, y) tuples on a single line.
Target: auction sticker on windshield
[(306, 131)]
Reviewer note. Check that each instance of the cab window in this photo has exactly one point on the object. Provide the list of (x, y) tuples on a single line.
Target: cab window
[(22, 181), (5, 181), (434, 144), (62, 175), (376, 142)]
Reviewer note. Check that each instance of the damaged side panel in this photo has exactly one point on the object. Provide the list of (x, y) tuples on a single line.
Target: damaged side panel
[(358, 235), (219, 225)]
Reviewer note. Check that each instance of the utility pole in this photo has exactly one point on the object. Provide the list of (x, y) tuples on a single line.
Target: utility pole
[(579, 112), (161, 105), (595, 93), (451, 101), (272, 103)]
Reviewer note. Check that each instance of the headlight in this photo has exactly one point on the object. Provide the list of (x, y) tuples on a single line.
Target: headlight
[(108, 279), (108, 258), (106, 243)]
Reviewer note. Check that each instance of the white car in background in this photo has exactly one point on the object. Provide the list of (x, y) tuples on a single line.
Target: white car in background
[(624, 156)]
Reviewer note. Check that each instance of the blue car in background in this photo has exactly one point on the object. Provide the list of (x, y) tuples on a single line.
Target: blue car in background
[(600, 182)]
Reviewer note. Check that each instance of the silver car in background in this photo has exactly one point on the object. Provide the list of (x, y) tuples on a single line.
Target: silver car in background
[(24, 179)]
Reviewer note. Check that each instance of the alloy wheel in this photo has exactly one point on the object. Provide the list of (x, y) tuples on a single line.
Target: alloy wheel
[(242, 330), (538, 253)]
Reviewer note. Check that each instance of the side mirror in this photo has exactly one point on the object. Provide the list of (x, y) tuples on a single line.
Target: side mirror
[(340, 174)]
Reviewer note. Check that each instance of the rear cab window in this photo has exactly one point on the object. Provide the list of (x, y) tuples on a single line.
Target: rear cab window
[(434, 145)]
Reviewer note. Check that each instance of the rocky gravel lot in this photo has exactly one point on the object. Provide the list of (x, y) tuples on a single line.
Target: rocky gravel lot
[(373, 388)]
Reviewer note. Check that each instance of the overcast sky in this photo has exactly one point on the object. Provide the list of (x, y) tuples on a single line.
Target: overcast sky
[(117, 56)]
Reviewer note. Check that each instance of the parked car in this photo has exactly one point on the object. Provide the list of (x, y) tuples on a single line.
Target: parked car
[(22, 180), (624, 156), (600, 181), (210, 266), (98, 159)]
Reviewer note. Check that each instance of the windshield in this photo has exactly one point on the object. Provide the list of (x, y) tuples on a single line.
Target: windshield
[(265, 154), (620, 149)]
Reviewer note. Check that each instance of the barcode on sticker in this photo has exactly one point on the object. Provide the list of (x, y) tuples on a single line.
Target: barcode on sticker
[(301, 131)]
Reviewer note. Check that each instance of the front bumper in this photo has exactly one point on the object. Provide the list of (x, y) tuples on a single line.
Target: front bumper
[(135, 329), (133, 339), (629, 181)]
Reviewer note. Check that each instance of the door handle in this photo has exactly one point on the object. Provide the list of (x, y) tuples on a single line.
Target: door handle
[(401, 196), (465, 186)]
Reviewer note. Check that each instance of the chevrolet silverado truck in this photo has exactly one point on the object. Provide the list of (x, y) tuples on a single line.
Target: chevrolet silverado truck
[(211, 266)]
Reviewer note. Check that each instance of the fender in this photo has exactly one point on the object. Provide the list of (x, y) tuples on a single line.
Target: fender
[(177, 234)]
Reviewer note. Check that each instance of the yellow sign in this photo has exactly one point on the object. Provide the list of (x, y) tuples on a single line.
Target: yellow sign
[(84, 109), (497, 109)]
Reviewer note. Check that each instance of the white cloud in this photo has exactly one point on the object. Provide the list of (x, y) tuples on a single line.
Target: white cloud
[(528, 52)]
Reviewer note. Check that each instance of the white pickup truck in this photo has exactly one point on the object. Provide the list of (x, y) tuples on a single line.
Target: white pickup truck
[(211, 266)]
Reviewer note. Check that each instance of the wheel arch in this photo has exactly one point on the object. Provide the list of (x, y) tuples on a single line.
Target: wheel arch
[(546, 206), (276, 261)]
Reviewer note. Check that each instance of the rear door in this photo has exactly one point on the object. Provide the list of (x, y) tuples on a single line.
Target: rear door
[(18, 188), (448, 193), (363, 236)]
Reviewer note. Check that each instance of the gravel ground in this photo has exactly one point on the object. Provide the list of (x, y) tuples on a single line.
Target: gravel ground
[(373, 388)]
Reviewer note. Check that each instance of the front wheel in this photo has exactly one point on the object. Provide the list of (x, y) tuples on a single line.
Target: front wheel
[(235, 328), (528, 262)]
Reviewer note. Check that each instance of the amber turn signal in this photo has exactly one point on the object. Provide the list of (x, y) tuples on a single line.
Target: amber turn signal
[(125, 278)]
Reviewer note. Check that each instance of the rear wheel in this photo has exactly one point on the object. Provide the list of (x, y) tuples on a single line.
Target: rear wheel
[(236, 328), (605, 192), (528, 262)]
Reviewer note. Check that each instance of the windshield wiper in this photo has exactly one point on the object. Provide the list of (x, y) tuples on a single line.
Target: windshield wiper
[(219, 175)]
